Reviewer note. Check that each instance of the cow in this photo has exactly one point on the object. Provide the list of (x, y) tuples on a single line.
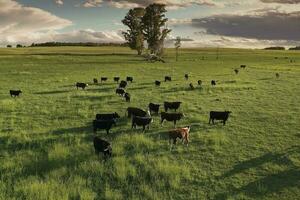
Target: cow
[(192, 86), (243, 66), (199, 82), (277, 75), (107, 116), (168, 78), (103, 79), (103, 125), (116, 79), (186, 76), (132, 111), (129, 79), (81, 85), (181, 133), (120, 91), (216, 115), (95, 81), (127, 97), (236, 71), (172, 105), (153, 108), (157, 83), (213, 82), (141, 121), (171, 117), (123, 84), (102, 146), (15, 93)]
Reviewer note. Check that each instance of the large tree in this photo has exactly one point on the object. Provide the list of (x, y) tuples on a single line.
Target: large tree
[(154, 27), (134, 35)]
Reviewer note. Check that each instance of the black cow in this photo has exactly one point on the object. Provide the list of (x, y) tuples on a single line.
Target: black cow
[(120, 91), (129, 79), (116, 79), (123, 84), (132, 111), (103, 79), (127, 97), (157, 83), (192, 86), (243, 66), (95, 81), (172, 105), (215, 115), (168, 78), (81, 85), (102, 146), (153, 108), (236, 71), (186, 76), (213, 82), (199, 82), (15, 93), (107, 116), (277, 75), (103, 125), (171, 117), (141, 121)]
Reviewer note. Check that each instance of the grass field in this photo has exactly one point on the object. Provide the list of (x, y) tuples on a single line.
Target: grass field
[(46, 149)]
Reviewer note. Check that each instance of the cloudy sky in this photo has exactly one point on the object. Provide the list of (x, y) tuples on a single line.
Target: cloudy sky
[(205, 23)]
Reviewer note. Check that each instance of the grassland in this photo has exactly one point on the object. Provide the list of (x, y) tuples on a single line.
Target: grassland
[(46, 137)]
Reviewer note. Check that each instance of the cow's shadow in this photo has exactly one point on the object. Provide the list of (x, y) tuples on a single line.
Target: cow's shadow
[(52, 92)]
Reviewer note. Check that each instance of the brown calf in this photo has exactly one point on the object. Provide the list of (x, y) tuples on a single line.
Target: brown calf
[(181, 133)]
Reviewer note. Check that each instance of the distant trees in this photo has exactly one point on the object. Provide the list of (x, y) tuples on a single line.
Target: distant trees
[(134, 35), (295, 48), (275, 48), (19, 46), (9, 46), (87, 44), (147, 24), (177, 46)]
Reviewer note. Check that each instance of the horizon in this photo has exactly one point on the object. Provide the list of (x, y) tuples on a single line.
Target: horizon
[(253, 24)]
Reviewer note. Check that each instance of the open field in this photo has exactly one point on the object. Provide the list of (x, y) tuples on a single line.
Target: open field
[(46, 149)]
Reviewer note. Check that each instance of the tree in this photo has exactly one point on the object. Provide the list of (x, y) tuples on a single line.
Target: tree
[(9, 46), (134, 35), (19, 46), (153, 22), (177, 46)]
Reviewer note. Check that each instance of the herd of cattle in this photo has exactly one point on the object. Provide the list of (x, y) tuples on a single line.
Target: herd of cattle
[(142, 118)]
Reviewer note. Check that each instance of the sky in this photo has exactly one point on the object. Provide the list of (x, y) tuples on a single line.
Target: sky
[(200, 23)]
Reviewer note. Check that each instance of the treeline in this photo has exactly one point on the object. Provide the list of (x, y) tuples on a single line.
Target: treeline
[(295, 48), (81, 44), (282, 48)]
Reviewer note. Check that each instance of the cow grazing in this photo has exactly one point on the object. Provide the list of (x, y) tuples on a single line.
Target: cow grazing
[(141, 121), (15, 93), (103, 79), (81, 85), (103, 125), (215, 115), (107, 116), (129, 79), (116, 79), (243, 66), (186, 76), (236, 71), (95, 81), (153, 108), (181, 133), (192, 86), (277, 75), (171, 117), (199, 82), (213, 82), (127, 97), (120, 91), (102, 146), (172, 105), (123, 84), (168, 78), (132, 111), (157, 83)]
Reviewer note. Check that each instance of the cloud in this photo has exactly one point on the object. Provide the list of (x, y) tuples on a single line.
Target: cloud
[(176, 22), (174, 4), (281, 1), (263, 25), (59, 2)]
